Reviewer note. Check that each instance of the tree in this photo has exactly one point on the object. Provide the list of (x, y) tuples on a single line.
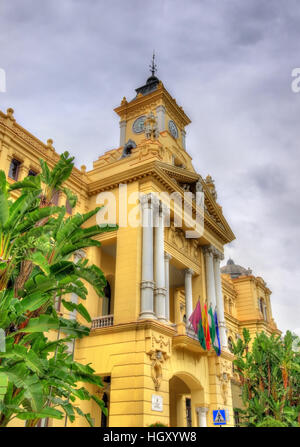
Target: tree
[(38, 376), (269, 373)]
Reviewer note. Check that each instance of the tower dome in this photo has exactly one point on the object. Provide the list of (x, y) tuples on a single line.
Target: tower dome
[(235, 270)]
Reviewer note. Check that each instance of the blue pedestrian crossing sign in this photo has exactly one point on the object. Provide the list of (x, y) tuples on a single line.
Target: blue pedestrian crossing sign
[(219, 417)]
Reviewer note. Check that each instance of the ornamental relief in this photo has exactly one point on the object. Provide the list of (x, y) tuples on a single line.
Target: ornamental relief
[(150, 149), (189, 247), (140, 110), (28, 139), (225, 374), (158, 348)]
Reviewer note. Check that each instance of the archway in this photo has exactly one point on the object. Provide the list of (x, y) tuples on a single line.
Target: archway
[(185, 393)]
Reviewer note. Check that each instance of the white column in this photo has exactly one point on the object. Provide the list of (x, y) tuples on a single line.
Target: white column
[(210, 276), (188, 294), (160, 290), (202, 414), (147, 284), (160, 111), (183, 134), (167, 284), (218, 256), (122, 133)]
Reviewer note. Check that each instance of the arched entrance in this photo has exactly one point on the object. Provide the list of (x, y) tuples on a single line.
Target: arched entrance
[(185, 395)]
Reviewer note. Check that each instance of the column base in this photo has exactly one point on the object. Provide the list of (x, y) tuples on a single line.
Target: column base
[(147, 315)]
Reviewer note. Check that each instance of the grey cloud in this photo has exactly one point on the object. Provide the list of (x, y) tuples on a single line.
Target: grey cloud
[(228, 63)]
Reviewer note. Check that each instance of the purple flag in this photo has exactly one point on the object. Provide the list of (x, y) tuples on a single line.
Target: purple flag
[(195, 317)]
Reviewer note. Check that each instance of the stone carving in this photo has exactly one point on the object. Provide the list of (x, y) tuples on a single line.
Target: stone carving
[(189, 247), (225, 374), (159, 350), (198, 186), (211, 185), (151, 126)]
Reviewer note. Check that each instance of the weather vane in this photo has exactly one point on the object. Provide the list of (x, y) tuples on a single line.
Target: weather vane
[(153, 66)]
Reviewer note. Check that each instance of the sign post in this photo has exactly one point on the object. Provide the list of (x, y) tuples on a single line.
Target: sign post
[(219, 417)]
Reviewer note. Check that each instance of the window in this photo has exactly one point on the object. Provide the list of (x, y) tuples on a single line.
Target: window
[(14, 169), (104, 421), (230, 344), (32, 173), (188, 407), (261, 305), (106, 300), (263, 309), (236, 418)]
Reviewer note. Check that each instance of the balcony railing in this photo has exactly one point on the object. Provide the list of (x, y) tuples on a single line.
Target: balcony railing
[(191, 333), (105, 321)]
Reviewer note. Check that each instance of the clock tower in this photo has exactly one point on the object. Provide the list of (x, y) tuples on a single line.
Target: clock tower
[(153, 102)]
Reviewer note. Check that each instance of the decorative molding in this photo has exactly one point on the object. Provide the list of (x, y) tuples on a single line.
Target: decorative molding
[(189, 247), (158, 348)]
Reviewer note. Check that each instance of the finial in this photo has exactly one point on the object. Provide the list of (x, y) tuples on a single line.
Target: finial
[(10, 113), (50, 144), (153, 66)]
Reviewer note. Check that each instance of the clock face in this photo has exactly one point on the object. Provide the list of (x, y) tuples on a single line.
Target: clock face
[(138, 125), (173, 129)]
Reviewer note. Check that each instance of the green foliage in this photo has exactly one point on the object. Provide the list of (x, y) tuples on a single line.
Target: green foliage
[(39, 377), (269, 373), (158, 424)]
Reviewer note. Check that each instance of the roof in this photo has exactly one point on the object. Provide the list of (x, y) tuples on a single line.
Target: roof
[(235, 270)]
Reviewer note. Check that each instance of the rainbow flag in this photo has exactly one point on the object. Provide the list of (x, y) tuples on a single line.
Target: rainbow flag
[(206, 328)]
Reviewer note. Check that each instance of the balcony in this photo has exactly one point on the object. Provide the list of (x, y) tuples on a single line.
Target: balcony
[(104, 321), (187, 339)]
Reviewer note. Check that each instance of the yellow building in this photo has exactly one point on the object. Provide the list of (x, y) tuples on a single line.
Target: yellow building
[(152, 364)]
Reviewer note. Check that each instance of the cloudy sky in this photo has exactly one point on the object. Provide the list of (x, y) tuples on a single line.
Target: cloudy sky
[(68, 63)]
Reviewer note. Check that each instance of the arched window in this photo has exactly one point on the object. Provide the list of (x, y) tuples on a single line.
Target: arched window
[(230, 344), (106, 303), (261, 305), (263, 308)]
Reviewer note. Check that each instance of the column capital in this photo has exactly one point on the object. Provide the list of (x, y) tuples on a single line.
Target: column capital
[(146, 200), (218, 255), (208, 250), (188, 272), (154, 199), (123, 123), (168, 257), (202, 410), (164, 209)]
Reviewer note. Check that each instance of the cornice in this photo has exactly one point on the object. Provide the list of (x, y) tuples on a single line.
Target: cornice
[(134, 326), (160, 94), (36, 147), (153, 169), (232, 319)]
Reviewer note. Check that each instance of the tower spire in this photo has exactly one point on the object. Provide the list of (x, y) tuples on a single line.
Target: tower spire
[(153, 66)]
